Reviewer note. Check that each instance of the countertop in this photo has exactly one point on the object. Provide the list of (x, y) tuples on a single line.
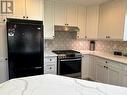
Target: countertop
[(57, 85), (49, 54), (117, 58)]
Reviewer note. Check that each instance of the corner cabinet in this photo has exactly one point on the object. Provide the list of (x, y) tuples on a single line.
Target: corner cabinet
[(49, 19), (112, 23), (23, 9)]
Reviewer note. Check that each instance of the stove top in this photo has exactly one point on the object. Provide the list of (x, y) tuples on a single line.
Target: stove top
[(65, 51)]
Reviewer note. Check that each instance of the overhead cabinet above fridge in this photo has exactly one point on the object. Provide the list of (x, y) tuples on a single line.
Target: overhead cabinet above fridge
[(28, 9)]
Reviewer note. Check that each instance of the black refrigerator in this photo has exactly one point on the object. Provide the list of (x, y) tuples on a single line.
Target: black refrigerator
[(25, 47)]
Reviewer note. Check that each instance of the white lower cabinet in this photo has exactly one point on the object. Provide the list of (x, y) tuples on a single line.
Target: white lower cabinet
[(3, 71), (50, 65), (104, 70), (101, 70), (91, 68), (124, 76), (88, 69), (85, 67)]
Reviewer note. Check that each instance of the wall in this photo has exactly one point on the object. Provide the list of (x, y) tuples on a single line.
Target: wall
[(66, 40), (110, 46)]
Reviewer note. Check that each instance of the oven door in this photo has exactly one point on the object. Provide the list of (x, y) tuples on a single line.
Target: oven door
[(70, 67)]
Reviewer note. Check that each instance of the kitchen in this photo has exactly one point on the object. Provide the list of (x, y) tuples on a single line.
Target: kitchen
[(93, 22)]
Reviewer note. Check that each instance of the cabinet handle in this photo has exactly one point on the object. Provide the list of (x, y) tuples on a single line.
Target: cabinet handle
[(27, 17), (23, 16), (106, 62), (67, 24), (104, 66)]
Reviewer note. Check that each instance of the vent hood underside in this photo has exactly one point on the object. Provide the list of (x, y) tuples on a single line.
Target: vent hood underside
[(59, 28)]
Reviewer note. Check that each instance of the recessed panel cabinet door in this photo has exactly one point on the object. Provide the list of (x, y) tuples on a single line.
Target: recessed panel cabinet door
[(3, 71), (72, 15), (19, 9), (101, 73), (113, 76), (81, 22), (34, 9), (48, 19), (60, 13)]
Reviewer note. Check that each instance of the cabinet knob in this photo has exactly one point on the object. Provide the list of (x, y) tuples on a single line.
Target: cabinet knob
[(23, 16), (4, 20), (27, 17), (50, 59), (50, 68), (85, 36), (106, 62), (77, 36), (104, 66)]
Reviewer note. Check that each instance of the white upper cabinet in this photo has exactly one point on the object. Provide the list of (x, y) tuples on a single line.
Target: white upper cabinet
[(81, 22), (35, 9), (112, 23), (48, 19), (28, 9), (60, 13), (92, 22), (71, 15), (65, 14), (19, 9), (88, 18)]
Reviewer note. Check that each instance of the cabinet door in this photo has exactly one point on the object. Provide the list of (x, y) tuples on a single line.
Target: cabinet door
[(72, 15), (81, 22), (34, 9), (19, 9), (124, 81), (85, 66), (3, 71), (111, 20), (60, 13), (115, 73), (48, 19), (114, 76), (3, 40), (101, 71), (92, 74), (92, 22)]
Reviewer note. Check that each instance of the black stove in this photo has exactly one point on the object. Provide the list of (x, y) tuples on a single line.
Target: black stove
[(67, 53)]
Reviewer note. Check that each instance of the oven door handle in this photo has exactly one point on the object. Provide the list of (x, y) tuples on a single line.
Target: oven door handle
[(71, 59)]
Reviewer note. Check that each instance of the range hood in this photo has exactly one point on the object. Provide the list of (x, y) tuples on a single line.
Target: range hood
[(59, 28)]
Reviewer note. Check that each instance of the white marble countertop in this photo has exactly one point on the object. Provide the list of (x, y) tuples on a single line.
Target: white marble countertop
[(57, 85), (117, 58), (49, 54)]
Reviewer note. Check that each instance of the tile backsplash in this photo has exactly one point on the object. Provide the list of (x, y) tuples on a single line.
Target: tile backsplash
[(66, 40), (110, 46)]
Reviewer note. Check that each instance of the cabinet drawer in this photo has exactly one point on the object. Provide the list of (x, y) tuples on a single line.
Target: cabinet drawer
[(50, 59), (49, 69), (115, 64)]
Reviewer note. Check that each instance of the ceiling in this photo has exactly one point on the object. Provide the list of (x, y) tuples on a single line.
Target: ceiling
[(85, 2)]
